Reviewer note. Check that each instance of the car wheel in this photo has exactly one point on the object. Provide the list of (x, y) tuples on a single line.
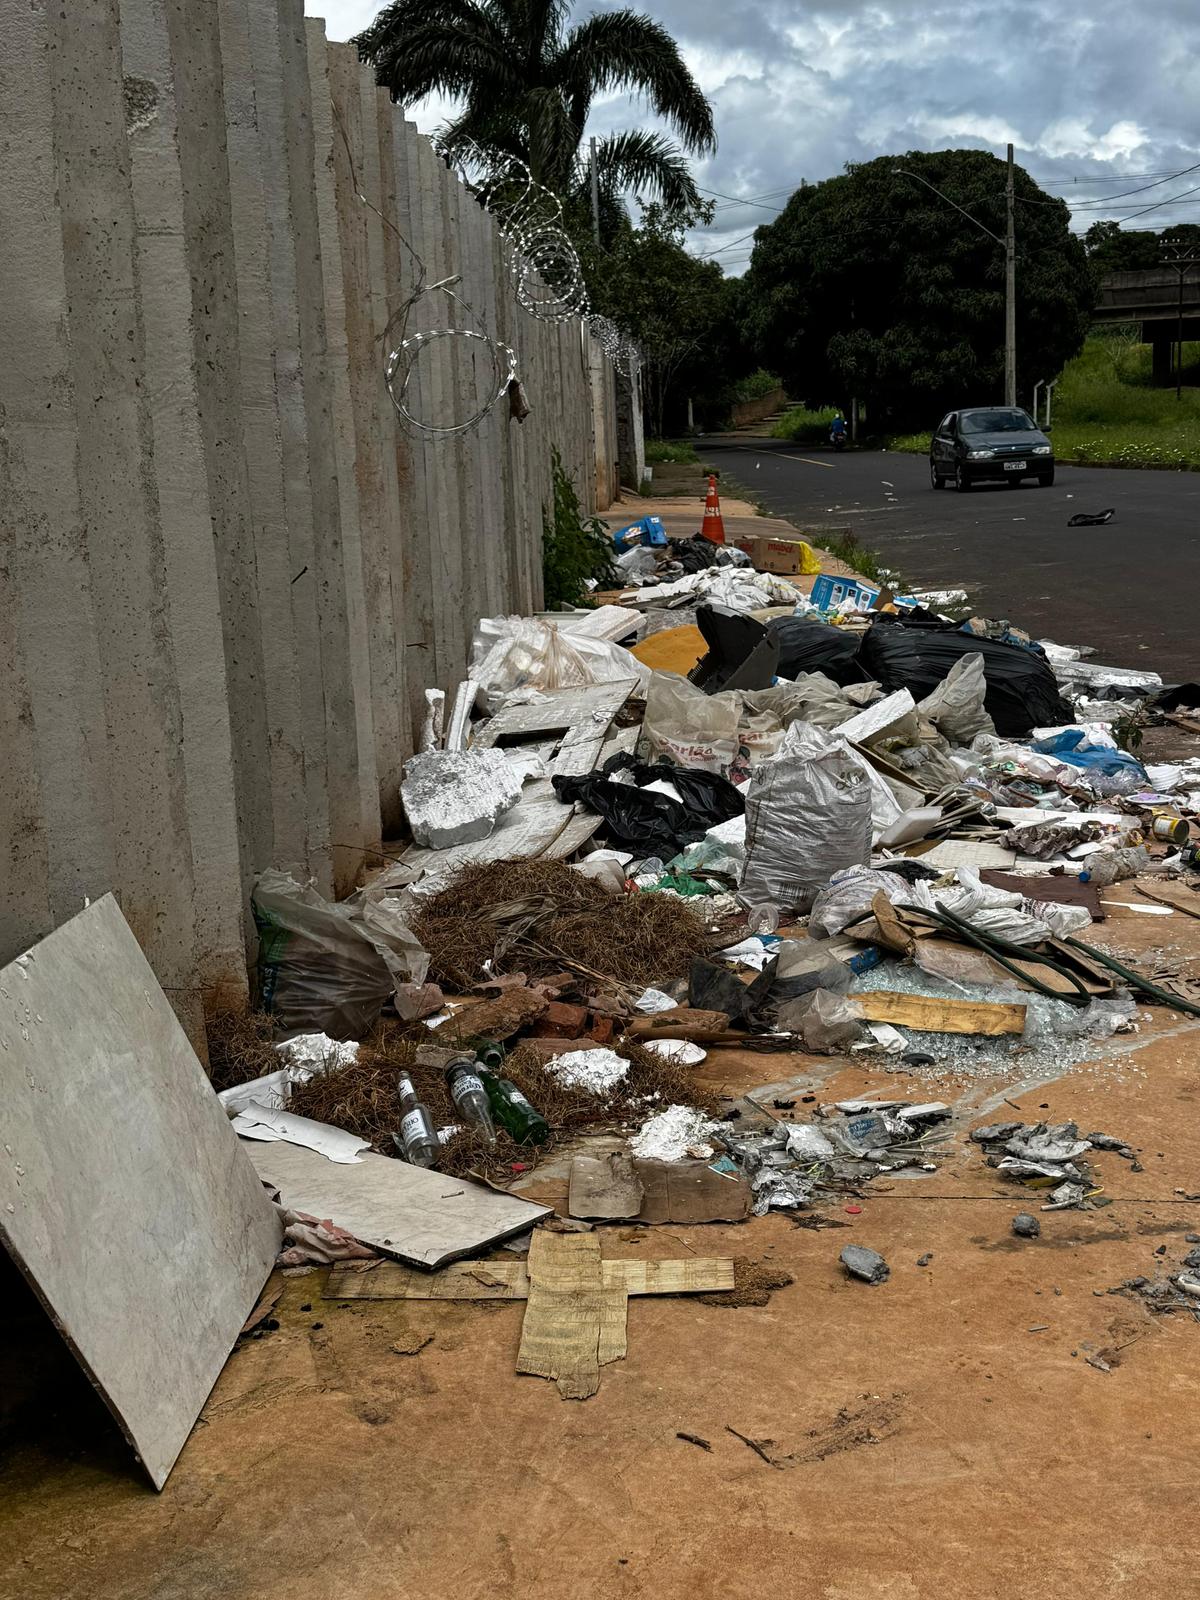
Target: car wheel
[(936, 481), (961, 482), (1046, 479)]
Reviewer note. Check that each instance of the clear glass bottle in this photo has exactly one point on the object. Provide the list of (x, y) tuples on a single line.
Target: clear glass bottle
[(417, 1139), (469, 1095)]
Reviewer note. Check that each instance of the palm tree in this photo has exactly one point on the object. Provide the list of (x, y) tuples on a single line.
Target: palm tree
[(527, 84)]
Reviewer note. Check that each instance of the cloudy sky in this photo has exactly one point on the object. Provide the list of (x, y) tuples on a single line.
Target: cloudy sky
[(1098, 96)]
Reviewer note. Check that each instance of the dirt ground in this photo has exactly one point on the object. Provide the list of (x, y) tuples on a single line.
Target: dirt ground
[(939, 1435)]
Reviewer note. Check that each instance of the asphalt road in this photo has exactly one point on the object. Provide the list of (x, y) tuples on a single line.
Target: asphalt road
[(1131, 589)]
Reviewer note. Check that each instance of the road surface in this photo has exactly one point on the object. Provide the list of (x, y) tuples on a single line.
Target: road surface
[(1131, 589)]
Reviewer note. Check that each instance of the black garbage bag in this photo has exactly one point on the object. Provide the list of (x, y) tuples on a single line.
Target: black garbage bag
[(653, 824), (1022, 691), (806, 644), (715, 988)]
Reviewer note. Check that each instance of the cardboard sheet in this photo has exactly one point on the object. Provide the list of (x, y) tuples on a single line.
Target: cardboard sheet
[(402, 1211), (508, 1280), (125, 1197)]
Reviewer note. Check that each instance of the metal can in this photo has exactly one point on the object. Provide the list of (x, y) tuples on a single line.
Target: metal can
[(1169, 825)]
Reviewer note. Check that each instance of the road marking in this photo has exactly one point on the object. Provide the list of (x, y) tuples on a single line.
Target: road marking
[(806, 461)]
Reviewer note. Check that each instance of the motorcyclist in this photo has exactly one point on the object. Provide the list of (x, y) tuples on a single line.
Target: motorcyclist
[(837, 431)]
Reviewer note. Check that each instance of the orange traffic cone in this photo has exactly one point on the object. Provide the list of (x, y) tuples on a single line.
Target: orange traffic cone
[(714, 523)]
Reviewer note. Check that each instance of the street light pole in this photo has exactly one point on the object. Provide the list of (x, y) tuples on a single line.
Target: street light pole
[(1181, 261), (1009, 246), (1010, 289)]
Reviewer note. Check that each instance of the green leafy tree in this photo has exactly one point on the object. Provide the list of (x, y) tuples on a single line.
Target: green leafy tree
[(526, 82), (869, 285), (683, 313), (1110, 249)]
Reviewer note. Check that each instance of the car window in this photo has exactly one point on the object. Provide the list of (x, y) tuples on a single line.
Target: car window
[(1002, 420), (947, 423)]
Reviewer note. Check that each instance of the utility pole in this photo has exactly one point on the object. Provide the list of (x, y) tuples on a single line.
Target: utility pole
[(1181, 261), (1009, 245), (595, 198), (1010, 289)]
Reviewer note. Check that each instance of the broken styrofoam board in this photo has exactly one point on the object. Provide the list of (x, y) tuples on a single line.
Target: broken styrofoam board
[(574, 836), (508, 1280), (524, 832), (615, 623), (459, 721), (582, 716), (125, 1197), (407, 1212), (969, 853)]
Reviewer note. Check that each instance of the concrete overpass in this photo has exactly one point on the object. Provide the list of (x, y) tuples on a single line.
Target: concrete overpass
[(1165, 301)]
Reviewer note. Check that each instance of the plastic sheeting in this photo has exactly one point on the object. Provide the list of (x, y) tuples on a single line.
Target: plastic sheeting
[(326, 967), (510, 653)]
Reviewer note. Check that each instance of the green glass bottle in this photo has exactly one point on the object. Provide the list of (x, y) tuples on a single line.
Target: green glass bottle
[(513, 1112)]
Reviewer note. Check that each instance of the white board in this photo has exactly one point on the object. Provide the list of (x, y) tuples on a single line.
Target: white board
[(125, 1196), (402, 1211)]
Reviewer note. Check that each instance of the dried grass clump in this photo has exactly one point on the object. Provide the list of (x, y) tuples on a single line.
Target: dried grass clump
[(362, 1099), (540, 916), (240, 1047)]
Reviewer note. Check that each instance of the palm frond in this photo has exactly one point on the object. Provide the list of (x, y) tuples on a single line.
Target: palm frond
[(649, 165), (624, 50)]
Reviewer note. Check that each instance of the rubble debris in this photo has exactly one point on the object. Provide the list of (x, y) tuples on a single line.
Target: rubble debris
[(1026, 1226), (866, 1265)]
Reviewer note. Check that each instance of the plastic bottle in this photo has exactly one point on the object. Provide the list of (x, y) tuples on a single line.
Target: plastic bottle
[(513, 1112), (417, 1139), (469, 1095)]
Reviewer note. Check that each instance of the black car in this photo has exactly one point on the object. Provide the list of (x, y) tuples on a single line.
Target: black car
[(1000, 442)]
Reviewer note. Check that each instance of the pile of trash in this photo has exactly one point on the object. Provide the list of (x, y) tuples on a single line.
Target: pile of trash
[(1051, 1156), (856, 825)]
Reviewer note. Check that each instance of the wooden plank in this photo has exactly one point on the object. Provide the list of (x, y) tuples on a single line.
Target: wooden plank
[(561, 1334), (509, 1280), (402, 1211), (582, 826), (125, 1197), (941, 1016)]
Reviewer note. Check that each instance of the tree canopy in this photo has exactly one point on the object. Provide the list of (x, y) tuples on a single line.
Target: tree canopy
[(682, 312), (869, 285), (526, 82), (1111, 248)]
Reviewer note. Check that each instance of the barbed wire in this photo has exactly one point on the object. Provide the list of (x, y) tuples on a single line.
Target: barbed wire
[(403, 350)]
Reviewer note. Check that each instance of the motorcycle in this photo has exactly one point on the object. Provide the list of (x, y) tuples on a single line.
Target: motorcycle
[(838, 440)]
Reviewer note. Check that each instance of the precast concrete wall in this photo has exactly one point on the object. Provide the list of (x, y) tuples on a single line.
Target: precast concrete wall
[(228, 570)]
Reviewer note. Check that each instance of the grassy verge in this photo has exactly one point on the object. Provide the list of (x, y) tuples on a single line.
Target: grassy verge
[(802, 426), (670, 452), (1108, 414)]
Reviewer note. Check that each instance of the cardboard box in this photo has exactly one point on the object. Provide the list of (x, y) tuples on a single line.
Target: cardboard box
[(785, 557)]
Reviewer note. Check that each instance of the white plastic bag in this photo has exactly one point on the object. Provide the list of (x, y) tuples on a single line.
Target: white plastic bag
[(848, 895), (519, 653), (955, 706), (692, 728), (808, 814)]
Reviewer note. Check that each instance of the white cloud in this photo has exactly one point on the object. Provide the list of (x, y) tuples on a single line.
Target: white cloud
[(1086, 92)]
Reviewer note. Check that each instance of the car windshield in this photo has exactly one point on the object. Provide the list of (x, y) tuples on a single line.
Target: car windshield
[(1006, 421)]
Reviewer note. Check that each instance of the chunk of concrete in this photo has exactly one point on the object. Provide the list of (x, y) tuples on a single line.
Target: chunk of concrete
[(867, 1265), (454, 797)]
